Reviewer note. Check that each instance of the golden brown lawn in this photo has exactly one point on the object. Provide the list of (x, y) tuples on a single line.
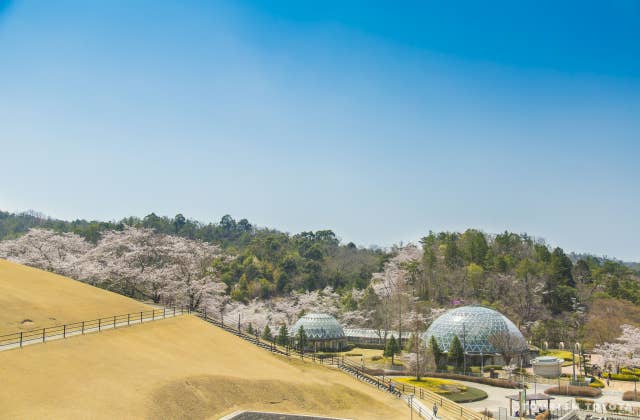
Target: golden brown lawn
[(32, 298), (175, 368)]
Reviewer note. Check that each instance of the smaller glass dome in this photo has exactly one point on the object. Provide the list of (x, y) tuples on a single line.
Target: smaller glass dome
[(318, 327)]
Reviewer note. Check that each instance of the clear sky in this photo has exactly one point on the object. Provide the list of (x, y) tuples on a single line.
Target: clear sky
[(380, 121)]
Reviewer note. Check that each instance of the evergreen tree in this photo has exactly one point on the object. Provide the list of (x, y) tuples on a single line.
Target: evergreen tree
[(266, 334), (301, 338), (283, 336), (391, 348), (436, 351), (250, 329), (456, 353)]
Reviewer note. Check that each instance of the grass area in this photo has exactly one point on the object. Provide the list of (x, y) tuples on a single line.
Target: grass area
[(560, 354), (178, 368), (452, 390), (372, 357), (32, 298)]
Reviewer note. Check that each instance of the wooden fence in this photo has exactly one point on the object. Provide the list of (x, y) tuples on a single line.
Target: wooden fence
[(41, 335)]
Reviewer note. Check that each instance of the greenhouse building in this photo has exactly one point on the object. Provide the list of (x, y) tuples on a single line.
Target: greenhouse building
[(479, 330), (323, 332)]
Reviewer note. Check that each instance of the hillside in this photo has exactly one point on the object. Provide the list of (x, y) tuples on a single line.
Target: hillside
[(176, 368), (32, 298)]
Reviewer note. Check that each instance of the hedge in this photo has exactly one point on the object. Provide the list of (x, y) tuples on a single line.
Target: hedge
[(574, 391), (620, 376), (596, 383), (501, 383), (630, 396)]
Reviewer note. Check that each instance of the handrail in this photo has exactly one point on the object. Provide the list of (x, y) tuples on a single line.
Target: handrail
[(41, 334)]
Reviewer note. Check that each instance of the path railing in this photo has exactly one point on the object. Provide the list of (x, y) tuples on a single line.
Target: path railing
[(42, 335)]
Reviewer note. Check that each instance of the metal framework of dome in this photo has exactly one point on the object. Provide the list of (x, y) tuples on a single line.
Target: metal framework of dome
[(473, 325), (318, 327)]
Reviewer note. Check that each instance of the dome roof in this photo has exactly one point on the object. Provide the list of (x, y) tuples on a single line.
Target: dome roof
[(318, 327), (473, 325)]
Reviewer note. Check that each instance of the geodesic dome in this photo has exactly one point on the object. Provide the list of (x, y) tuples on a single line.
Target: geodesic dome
[(318, 327), (473, 325)]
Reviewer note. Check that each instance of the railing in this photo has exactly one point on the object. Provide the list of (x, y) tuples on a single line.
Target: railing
[(41, 335)]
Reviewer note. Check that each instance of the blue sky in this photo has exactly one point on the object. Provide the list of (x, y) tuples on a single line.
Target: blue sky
[(380, 121)]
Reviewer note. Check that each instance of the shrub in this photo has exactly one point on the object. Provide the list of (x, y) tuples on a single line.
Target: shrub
[(596, 383), (376, 358), (584, 404), (544, 415), (354, 354), (620, 376), (574, 391), (630, 396), (487, 413), (494, 367), (501, 383)]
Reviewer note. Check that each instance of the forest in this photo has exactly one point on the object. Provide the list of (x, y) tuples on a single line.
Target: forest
[(551, 294)]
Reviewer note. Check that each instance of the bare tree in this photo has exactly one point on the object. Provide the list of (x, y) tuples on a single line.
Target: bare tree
[(507, 344)]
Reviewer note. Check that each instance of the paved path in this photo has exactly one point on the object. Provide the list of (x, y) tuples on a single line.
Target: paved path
[(497, 397), (104, 325)]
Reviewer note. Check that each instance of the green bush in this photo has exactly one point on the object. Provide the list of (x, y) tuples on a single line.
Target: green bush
[(376, 358), (354, 354), (501, 383), (620, 376), (596, 383), (494, 367), (628, 371)]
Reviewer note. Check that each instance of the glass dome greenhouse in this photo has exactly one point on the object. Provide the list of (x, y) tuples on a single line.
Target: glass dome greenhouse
[(318, 327), (473, 325)]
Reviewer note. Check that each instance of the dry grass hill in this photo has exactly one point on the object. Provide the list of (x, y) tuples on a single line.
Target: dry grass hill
[(32, 298), (175, 368)]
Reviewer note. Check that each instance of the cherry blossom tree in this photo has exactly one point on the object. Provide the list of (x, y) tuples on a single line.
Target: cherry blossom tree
[(47, 250)]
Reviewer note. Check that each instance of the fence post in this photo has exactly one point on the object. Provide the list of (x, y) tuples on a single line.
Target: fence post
[(20, 338), (141, 317), (153, 314), (164, 312), (99, 324), (82, 327), (43, 336), (174, 311), (64, 331), (128, 319), (205, 313), (114, 322)]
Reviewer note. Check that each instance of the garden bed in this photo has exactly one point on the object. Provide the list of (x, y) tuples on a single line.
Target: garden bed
[(451, 390), (574, 391)]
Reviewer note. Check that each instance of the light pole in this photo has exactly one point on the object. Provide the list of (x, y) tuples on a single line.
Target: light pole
[(411, 405)]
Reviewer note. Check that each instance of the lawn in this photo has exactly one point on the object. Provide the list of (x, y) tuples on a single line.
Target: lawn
[(177, 368), (452, 390), (372, 357)]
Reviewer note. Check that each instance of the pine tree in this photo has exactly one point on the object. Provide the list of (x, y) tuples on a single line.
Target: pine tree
[(391, 348), (266, 334), (435, 350), (456, 353), (301, 337), (283, 336), (250, 329)]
